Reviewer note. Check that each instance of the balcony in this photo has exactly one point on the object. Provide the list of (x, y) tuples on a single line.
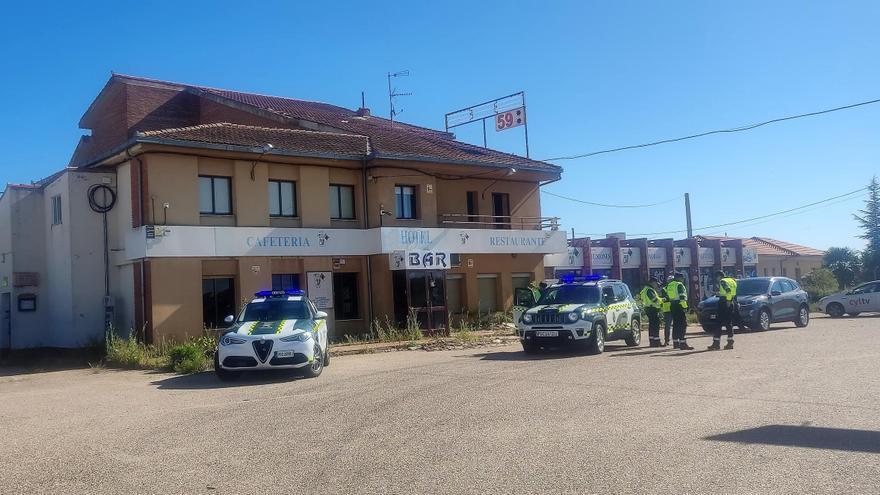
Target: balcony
[(465, 221)]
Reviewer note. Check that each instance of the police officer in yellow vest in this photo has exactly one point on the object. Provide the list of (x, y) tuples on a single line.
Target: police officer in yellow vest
[(666, 309), (676, 292), (726, 306), (651, 303)]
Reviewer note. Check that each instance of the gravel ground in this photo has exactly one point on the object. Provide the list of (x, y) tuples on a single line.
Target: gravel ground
[(788, 411)]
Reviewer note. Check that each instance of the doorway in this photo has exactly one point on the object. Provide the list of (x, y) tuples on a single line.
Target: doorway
[(501, 210), (421, 294)]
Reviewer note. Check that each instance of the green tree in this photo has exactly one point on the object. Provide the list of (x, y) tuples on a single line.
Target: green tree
[(869, 220), (819, 283), (845, 263)]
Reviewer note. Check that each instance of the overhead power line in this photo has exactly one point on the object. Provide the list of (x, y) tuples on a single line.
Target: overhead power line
[(709, 133), (747, 220), (606, 205)]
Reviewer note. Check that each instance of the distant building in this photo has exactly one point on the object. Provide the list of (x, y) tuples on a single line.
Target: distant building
[(636, 260)]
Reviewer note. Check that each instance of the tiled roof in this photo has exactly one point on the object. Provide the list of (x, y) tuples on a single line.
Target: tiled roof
[(766, 246), (387, 140), (292, 140), (789, 247)]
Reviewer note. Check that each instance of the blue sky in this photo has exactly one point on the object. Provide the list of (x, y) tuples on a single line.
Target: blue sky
[(596, 75)]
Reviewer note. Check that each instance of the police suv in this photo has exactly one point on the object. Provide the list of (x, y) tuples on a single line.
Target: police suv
[(585, 311), (276, 330)]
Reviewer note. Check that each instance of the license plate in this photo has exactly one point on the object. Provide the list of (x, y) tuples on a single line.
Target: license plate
[(547, 333), (284, 354), (712, 317)]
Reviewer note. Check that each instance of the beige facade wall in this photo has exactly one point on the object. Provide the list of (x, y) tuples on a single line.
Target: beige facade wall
[(176, 283), (795, 267)]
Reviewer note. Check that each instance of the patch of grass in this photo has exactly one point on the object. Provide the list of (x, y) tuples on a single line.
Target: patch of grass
[(188, 358), (128, 352)]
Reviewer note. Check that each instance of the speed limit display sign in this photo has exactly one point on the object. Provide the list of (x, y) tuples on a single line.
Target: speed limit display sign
[(509, 119)]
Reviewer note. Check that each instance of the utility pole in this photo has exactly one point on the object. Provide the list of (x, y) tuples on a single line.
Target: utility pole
[(687, 212)]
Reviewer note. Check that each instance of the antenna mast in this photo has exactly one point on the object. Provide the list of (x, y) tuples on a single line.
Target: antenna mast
[(392, 93)]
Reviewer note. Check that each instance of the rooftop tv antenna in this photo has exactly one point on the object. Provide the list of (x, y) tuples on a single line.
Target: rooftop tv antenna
[(392, 93)]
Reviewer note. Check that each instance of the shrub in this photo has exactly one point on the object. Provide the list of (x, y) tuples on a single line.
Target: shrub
[(188, 358), (126, 353), (819, 283)]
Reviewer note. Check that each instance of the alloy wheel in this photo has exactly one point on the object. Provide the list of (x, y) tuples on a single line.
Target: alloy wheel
[(805, 316), (765, 320)]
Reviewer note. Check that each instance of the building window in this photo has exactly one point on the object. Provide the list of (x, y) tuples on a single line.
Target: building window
[(345, 296), (784, 272), (454, 260), (56, 210), (285, 281), (472, 207), (406, 202), (215, 195), (282, 198), (218, 301), (341, 202), (521, 280)]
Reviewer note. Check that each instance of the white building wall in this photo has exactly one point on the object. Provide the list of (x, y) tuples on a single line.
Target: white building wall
[(5, 262), (87, 261), (57, 304), (29, 248)]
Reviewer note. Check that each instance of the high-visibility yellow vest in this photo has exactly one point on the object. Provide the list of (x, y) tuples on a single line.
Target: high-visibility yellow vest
[(648, 297), (727, 288), (676, 291), (664, 304)]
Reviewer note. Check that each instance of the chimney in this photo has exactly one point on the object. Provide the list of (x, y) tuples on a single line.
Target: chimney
[(363, 112)]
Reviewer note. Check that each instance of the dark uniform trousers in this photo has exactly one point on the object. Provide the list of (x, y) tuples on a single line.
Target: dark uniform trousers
[(725, 318), (653, 323), (679, 321)]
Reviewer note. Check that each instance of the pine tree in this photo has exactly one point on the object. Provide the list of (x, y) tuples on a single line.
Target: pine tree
[(869, 220)]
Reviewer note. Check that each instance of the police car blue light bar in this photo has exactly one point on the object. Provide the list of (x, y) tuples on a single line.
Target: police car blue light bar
[(277, 293), (567, 279)]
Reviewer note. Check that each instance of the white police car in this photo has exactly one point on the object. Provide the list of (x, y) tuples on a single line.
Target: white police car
[(862, 299), (276, 330), (579, 311)]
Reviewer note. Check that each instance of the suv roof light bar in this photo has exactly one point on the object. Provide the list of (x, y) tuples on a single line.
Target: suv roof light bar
[(279, 293), (567, 279)]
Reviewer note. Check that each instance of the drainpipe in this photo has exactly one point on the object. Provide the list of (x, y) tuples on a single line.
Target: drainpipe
[(369, 257)]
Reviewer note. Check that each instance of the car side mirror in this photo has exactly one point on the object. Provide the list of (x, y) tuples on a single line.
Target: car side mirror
[(775, 293), (229, 319), (320, 315)]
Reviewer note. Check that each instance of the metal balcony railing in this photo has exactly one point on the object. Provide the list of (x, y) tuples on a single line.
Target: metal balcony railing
[(464, 220)]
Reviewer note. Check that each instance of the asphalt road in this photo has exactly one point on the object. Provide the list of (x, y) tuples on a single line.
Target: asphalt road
[(788, 411)]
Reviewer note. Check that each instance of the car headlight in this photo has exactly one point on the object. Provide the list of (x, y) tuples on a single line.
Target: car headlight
[(572, 317), (297, 337), (230, 340), (527, 318)]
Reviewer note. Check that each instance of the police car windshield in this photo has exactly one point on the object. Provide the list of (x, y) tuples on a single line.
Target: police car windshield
[(275, 310), (571, 294), (752, 286)]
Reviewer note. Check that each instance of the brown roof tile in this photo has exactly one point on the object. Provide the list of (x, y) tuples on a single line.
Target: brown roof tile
[(291, 140)]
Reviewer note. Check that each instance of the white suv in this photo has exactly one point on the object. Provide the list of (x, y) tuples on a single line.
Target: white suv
[(584, 311)]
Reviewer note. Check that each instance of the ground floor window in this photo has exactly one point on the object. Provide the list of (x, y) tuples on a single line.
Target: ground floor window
[(345, 296), (521, 280), (487, 289), (218, 301), (285, 281), (454, 292)]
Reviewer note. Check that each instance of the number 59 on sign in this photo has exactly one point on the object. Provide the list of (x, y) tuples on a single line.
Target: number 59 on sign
[(509, 119)]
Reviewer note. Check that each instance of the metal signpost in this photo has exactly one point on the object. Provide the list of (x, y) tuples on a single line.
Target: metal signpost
[(508, 112)]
